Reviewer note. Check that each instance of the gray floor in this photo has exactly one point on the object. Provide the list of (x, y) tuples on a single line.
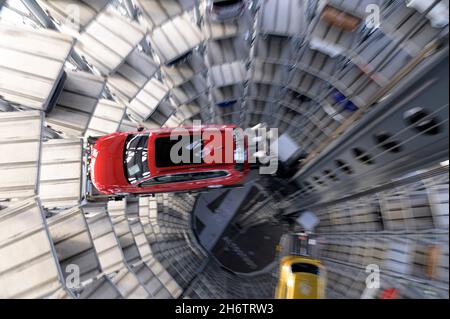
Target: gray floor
[(249, 250)]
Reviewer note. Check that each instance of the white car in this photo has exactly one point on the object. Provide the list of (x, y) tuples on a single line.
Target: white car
[(438, 15), (223, 10)]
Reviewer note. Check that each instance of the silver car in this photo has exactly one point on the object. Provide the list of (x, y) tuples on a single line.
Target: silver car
[(223, 10)]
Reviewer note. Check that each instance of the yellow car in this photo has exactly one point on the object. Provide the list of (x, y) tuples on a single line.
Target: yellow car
[(301, 277)]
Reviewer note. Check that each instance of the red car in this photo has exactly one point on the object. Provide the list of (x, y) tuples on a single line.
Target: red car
[(151, 161)]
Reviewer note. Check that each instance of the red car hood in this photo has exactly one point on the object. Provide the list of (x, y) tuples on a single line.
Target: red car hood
[(107, 170)]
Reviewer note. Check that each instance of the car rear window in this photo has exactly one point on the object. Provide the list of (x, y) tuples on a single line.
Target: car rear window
[(163, 146), (305, 268)]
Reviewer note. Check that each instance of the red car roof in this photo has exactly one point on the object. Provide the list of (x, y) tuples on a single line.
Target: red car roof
[(158, 133)]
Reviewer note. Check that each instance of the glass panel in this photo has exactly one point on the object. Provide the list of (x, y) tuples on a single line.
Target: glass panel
[(306, 268), (164, 145), (136, 157)]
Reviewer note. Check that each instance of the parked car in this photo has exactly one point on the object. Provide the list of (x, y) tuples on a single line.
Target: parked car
[(223, 10), (438, 15), (144, 162), (340, 19), (341, 99), (301, 274), (301, 277)]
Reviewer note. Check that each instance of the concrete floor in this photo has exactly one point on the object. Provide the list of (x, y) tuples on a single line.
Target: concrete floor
[(249, 250), (239, 249)]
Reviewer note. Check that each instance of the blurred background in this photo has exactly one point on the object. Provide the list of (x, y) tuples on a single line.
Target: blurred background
[(358, 90)]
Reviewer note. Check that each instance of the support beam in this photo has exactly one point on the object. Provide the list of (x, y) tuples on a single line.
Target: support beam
[(39, 14), (131, 9), (46, 22)]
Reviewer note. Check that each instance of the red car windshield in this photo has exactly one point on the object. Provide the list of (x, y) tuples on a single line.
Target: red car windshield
[(136, 157)]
